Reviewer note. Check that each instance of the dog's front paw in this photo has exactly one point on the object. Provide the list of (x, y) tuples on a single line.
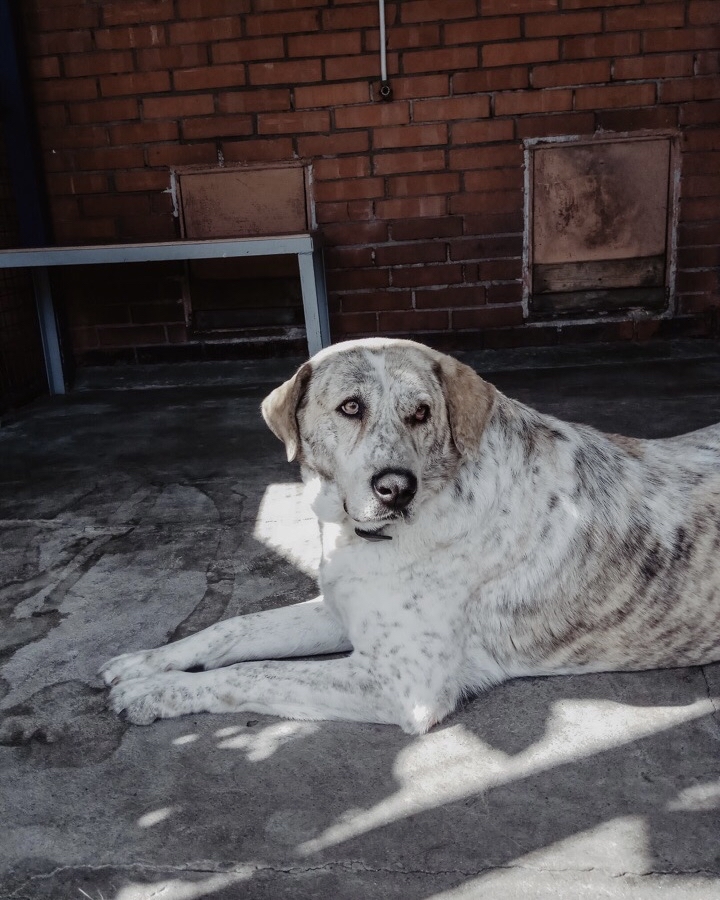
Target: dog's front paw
[(159, 696), (133, 665)]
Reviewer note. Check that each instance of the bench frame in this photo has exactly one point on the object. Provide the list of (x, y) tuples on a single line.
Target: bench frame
[(306, 247)]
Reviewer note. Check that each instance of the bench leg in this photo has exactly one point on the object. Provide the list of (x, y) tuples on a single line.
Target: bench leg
[(312, 282), (48, 331)]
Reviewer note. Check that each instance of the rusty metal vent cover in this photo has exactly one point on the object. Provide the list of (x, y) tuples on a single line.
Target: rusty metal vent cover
[(599, 229)]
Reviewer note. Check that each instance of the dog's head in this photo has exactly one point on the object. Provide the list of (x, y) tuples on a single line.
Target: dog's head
[(381, 424)]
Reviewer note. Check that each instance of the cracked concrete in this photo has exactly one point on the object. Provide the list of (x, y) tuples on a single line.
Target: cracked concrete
[(152, 502)]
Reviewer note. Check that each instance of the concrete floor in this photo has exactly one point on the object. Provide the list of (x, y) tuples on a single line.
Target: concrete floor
[(150, 503)]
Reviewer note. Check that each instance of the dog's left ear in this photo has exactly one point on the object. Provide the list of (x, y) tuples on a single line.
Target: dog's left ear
[(470, 402), (279, 410)]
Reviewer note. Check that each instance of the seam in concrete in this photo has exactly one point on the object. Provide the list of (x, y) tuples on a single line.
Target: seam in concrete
[(355, 866), (713, 702)]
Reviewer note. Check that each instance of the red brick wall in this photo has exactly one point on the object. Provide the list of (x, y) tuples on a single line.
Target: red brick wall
[(420, 199)]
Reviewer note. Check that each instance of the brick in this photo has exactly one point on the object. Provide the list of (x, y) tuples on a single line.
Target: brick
[(377, 301), (138, 83), (254, 101), (595, 46), (51, 115), (410, 254), (328, 213), (487, 247), (64, 18), (681, 39), (482, 132), (424, 185), (60, 42), (142, 180), (558, 124), (498, 201), (244, 51), (699, 257), (341, 167), (700, 163), (450, 58), (567, 23), (208, 77), (349, 189), (340, 19), (521, 102), (614, 96), (106, 205), (504, 293), (482, 31), (487, 317), (451, 298), (491, 80), (156, 313), (334, 144), (700, 209), (258, 151), (565, 74), (45, 67), (672, 65), (411, 207), (204, 9), (405, 38), (182, 155), (341, 43), (636, 119), (110, 158), (364, 233), (378, 114), (412, 161), (144, 133), (179, 57), (341, 68), (413, 11), (177, 107), (494, 179), (88, 231), (468, 158), (412, 321), (364, 323), (349, 257), (135, 11), (665, 15), (102, 63), (306, 20), (103, 111), (679, 90), (584, 4), (216, 126), (76, 183), (293, 122), (520, 52), (285, 72), (199, 31), (131, 335), (502, 7), (470, 107), (426, 228), (68, 136), (358, 279), (409, 136), (703, 12), (331, 95), (421, 86), (65, 89), (701, 185), (128, 38)]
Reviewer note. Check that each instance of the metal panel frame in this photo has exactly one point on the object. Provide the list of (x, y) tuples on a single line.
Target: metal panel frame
[(305, 246)]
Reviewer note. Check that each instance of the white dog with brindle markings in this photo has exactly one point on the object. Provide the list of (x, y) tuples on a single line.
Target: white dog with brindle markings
[(467, 539)]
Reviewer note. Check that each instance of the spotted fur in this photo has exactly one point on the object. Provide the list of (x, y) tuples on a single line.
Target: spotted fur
[(531, 546)]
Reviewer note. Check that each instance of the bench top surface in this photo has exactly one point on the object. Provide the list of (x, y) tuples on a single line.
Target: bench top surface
[(217, 248)]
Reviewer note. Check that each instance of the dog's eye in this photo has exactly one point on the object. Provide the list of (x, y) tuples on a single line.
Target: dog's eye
[(421, 414), (351, 408)]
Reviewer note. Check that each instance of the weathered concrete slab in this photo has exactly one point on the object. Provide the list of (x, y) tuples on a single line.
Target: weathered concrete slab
[(130, 517)]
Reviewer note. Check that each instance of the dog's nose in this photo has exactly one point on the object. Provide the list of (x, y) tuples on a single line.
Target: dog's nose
[(395, 488)]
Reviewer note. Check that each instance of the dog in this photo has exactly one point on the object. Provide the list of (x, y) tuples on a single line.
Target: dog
[(466, 539)]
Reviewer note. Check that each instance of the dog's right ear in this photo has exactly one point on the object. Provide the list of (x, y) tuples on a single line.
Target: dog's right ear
[(279, 410)]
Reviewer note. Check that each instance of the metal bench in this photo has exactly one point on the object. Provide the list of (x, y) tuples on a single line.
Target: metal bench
[(305, 246)]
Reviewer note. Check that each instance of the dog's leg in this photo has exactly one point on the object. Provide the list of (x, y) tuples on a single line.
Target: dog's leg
[(305, 629), (340, 689)]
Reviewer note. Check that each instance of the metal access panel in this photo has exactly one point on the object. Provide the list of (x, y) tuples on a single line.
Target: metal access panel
[(600, 226)]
